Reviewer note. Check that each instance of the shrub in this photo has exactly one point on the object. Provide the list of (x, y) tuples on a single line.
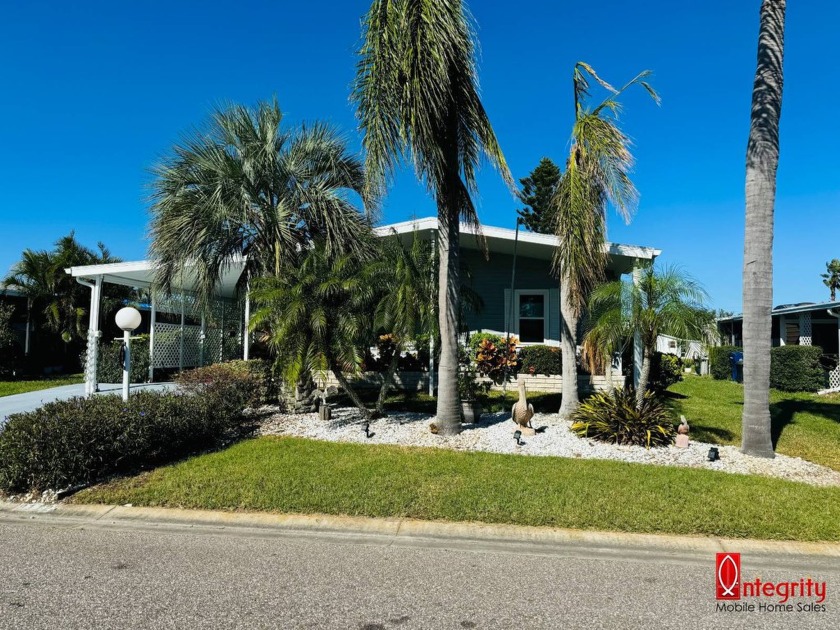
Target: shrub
[(476, 339), (719, 365), (665, 370), (613, 417), (109, 367), (80, 440), (10, 352), (254, 380), (797, 368), (540, 360), (497, 361)]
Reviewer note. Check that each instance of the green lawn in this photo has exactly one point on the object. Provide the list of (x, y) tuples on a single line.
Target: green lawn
[(804, 425), (7, 388), (308, 476)]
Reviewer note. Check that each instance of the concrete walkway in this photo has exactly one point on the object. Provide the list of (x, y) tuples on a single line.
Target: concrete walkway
[(30, 401)]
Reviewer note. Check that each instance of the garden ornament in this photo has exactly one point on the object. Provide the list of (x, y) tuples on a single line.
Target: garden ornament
[(682, 433), (522, 412)]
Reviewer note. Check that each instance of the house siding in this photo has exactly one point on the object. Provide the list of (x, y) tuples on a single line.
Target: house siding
[(491, 280)]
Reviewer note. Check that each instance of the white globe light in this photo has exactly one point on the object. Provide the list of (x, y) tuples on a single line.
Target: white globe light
[(128, 318)]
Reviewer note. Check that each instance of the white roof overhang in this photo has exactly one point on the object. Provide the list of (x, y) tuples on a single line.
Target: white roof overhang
[(141, 274), (530, 244)]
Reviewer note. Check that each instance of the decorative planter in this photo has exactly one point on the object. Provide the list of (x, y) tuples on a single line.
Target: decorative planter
[(470, 411), (324, 413)]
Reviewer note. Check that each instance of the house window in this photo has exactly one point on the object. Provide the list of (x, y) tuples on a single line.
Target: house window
[(792, 333), (532, 316)]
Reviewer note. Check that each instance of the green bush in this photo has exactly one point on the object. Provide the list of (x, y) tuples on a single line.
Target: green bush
[(613, 417), (797, 368), (497, 361), (540, 360), (82, 440), (476, 339), (719, 365), (665, 370), (254, 380), (10, 353), (109, 367)]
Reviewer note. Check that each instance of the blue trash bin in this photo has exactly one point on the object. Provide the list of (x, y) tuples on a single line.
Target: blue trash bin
[(736, 361)]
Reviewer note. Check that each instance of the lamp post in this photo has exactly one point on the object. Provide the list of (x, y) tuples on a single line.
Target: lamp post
[(128, 319)]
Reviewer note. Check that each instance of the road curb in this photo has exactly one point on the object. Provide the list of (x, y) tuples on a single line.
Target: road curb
[(408, 528)]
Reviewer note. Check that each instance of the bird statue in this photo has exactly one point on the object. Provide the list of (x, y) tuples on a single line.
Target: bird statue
[(682, 433), (522, 412)]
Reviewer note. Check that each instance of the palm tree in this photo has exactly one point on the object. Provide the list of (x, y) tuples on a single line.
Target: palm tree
[(831, 277), (666, 302), (317, 315), (597, 173), (53, 293), (247, 187), (762, 162), (417, 97), (404, 307)]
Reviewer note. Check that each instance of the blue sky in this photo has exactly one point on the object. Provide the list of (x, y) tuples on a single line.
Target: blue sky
[(93, 93)]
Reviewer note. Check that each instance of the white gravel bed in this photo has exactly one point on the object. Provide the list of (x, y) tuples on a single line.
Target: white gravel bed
[(494, 433)]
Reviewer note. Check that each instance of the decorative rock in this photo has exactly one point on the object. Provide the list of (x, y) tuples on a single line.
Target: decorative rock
[(414, 429)]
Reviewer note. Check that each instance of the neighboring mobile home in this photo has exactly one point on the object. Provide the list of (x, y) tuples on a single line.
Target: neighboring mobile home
[(803, 324)]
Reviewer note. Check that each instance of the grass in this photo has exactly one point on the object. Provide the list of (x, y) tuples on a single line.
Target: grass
[(8, 388), (308, 476), (804, 425)]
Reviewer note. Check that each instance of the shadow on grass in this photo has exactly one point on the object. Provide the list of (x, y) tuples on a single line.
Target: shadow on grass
[(713, 435), (782, 413)]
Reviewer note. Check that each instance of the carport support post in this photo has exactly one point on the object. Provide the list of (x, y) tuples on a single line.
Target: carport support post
[(152, 324), (638, 352), (432, 300), (201, 336), (181, 347), (92, 354), (246, 336)]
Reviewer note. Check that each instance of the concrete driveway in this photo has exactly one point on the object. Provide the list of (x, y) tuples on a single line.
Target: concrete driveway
[(29, 401)]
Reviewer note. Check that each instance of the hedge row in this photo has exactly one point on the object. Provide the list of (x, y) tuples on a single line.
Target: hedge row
[(545, 360), (719, 365), (78, 441), (797, 368), (109, 367)]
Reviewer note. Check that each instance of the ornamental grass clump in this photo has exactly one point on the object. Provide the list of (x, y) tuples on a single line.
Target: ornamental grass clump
[(615, 417)]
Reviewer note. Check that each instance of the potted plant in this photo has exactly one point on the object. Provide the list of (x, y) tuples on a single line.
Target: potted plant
[(469, 390)]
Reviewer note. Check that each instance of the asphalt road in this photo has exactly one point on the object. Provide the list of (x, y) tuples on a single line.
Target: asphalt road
[(58, 573)]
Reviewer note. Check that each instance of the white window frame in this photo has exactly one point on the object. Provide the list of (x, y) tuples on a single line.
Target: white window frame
[(546, 313)]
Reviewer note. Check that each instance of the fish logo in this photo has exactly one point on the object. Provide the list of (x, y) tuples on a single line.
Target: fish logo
[(728, 576)]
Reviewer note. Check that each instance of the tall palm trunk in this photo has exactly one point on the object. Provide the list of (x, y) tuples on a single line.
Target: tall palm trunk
[(762, 162), (449, 283), (644, 377), (568, 351), (388, 381), (351, 393)]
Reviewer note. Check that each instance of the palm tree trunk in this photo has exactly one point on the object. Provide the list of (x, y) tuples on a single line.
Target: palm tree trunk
[(345, 384), (762, 162), (568, 353), (387, 380), (644, 376), (449, 283)]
